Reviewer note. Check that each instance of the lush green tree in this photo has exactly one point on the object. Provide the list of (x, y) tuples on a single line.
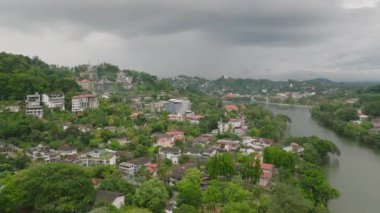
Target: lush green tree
[(238, 207), (315, 186), (346, 114), (219, 193), (220, 165), (254, 132), (280, 158), (189, 189), (152, 195), (250, 169), (185, 208), (48, 188), (287, 198)]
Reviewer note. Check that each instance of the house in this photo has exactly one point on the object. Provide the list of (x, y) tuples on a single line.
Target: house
[(203, 140), (81, 102), (129, 169), (54, 101), (361, 115), (171, 153), (209, 152), (294, 147), (42, 153), (173, 117), (268, 170), (66, 151), (227, 145), (165, 141), (194, 119), (108, 197), (177, 135), (231, 108), (158, 106), (192, 152), (235, 125), (97, 157), (33, 105), (124, 80)]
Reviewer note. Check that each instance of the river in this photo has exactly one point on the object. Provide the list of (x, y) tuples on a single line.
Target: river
[(355, 173)]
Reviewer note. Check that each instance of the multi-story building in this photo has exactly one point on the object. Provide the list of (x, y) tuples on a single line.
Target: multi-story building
[(178, 106), (97, 157), (43, 153), (81, 102), (33, 105), (54, 101)]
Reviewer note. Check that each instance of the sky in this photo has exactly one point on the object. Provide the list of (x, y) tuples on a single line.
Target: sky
[(273, 39)]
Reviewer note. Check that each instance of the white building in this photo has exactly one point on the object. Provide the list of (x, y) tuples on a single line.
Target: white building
[(172, 153), (127, 169), (33, 105), (54, 101), (178, 106), (97, 157), (81, 102)]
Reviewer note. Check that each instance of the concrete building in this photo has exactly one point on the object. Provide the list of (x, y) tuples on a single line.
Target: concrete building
[(97, 157), (178, 106), (172, 153), (33, 105), (54, 101), (81, 102)]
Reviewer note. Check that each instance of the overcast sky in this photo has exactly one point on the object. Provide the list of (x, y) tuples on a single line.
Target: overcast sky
[(276, 39)]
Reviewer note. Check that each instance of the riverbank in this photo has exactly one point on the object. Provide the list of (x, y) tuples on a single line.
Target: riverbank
[(354, 173)]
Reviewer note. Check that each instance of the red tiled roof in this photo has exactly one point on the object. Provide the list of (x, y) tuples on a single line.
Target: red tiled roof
[(231, 107), (267, 166), (152, 167)]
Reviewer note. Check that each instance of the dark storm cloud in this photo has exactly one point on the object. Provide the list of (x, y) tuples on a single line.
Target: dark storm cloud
[(258, 38)]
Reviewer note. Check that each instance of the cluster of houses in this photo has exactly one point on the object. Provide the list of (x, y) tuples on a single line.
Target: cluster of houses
[(34, 104), (295, 95), (363, 117), (172, 145)]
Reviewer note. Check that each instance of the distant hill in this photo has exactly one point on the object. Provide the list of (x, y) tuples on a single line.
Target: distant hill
[(224, 85)]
